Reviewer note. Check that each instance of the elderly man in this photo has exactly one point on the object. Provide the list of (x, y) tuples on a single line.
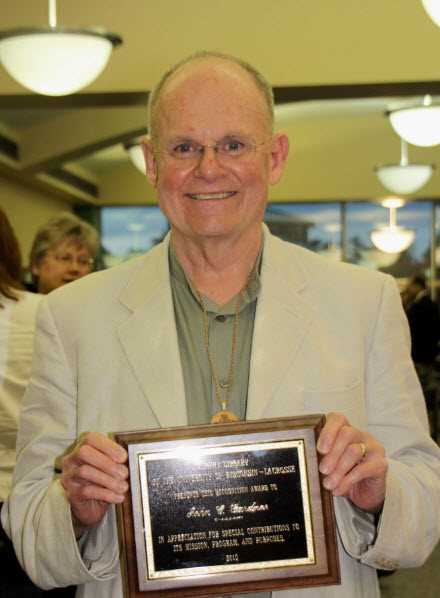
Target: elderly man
[(151, 347)]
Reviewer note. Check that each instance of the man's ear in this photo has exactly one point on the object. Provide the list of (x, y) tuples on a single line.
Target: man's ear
[(150, 160), (279, 152)]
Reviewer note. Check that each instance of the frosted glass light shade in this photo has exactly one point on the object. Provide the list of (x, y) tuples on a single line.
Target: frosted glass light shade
[(419, 125), (56, 61), (432, 7), (392, 239), (404, 179), (137, 156)]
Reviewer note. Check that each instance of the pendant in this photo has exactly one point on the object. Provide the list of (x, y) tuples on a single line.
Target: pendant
[(224, 417)]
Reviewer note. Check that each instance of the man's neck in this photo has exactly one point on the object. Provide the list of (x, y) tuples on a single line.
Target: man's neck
[(218, 268)]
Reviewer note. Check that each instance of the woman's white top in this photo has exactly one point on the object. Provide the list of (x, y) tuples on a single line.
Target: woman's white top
[(17, 326)]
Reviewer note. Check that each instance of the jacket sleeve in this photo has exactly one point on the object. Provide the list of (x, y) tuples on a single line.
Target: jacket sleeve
[(409, 525), (37, 514)]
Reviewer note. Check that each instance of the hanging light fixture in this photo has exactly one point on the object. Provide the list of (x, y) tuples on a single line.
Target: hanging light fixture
[(432, 7), (391, 238), (55, 61), (419, 125), (404, 178), (134, 150)]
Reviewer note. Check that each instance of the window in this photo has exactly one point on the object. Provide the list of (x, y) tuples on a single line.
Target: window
[(130, 231), (362, 217), (316, 226)]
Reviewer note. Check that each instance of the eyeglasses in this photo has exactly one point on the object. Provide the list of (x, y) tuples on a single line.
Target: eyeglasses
[(228, 149), (69, 260)]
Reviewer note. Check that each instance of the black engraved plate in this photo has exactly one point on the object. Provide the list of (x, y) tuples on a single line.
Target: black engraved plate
[(224, 509)]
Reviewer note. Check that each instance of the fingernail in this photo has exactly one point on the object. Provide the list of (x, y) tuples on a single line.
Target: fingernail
[(322, 446), (323, 468), (328, 483), (123, 456)]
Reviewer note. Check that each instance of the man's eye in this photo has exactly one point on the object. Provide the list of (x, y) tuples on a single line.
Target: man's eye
[(233, 147), (184, 148)]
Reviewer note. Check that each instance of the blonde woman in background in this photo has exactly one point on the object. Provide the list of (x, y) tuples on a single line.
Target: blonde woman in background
[(64, 249)]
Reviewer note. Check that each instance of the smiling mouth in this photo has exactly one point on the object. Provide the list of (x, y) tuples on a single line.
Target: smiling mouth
[(211, 196)]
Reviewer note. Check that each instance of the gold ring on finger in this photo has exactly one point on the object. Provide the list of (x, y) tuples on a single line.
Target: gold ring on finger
[(364, 451)]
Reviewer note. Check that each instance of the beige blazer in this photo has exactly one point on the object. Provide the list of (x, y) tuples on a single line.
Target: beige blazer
[(327, 337)]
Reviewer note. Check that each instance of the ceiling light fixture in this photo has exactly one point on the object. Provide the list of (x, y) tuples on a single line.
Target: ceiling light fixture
[(392, 238), (56, 61), (404, 178), (432, 7), (419, 125), (135, 151)]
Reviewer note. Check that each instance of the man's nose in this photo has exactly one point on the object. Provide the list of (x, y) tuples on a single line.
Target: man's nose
[(209, 164)]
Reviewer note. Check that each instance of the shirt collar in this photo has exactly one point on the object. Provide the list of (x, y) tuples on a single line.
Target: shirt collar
[(249, 295)]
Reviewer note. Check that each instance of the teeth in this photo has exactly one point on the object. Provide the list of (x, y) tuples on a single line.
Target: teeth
[(204, 196)]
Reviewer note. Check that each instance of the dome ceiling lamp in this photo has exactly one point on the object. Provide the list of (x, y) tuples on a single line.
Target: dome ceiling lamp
[(432, 7), (392, 238), (404, 178), (419, 125), (56, 61), (136, 154)]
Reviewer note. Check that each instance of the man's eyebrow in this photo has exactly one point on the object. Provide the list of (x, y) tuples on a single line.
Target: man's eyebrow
[(189, 139), (180, 139), (235, 134)]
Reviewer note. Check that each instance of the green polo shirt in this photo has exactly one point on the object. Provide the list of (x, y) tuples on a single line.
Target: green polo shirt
[(201, 401)]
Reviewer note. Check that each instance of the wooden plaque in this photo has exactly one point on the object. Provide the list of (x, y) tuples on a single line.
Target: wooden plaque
[(226, 508)]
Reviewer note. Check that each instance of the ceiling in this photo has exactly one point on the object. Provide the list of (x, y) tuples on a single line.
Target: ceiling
[(336, 66)]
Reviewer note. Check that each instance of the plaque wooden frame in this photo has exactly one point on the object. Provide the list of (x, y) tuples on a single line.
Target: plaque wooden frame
[(137, 562)]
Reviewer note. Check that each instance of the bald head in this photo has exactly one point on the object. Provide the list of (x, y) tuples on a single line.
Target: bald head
[(209, 66)]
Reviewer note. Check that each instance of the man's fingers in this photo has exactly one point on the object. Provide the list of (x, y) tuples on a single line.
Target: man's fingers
[(327, 437), (368, 471), (353, 463), (94, 476), (90, 455), (105, 445), (86, 474), (345, 450), (352, 455), (99, 452), (89, 492)]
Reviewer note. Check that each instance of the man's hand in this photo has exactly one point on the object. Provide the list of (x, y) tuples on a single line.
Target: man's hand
[(94, 477), (353, 462)]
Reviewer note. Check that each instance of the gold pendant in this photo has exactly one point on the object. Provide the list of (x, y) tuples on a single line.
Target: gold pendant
[(223, 417)]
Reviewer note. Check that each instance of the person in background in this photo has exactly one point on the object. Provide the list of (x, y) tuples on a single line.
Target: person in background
[(64, 249), (17, 324), (221, 321), (424, 325)]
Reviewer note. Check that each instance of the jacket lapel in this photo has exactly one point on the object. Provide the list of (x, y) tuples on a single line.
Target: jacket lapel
[(282, 321), (149, 339)]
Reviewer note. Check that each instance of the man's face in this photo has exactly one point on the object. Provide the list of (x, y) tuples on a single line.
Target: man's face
[(213, 193), (65, 262)]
